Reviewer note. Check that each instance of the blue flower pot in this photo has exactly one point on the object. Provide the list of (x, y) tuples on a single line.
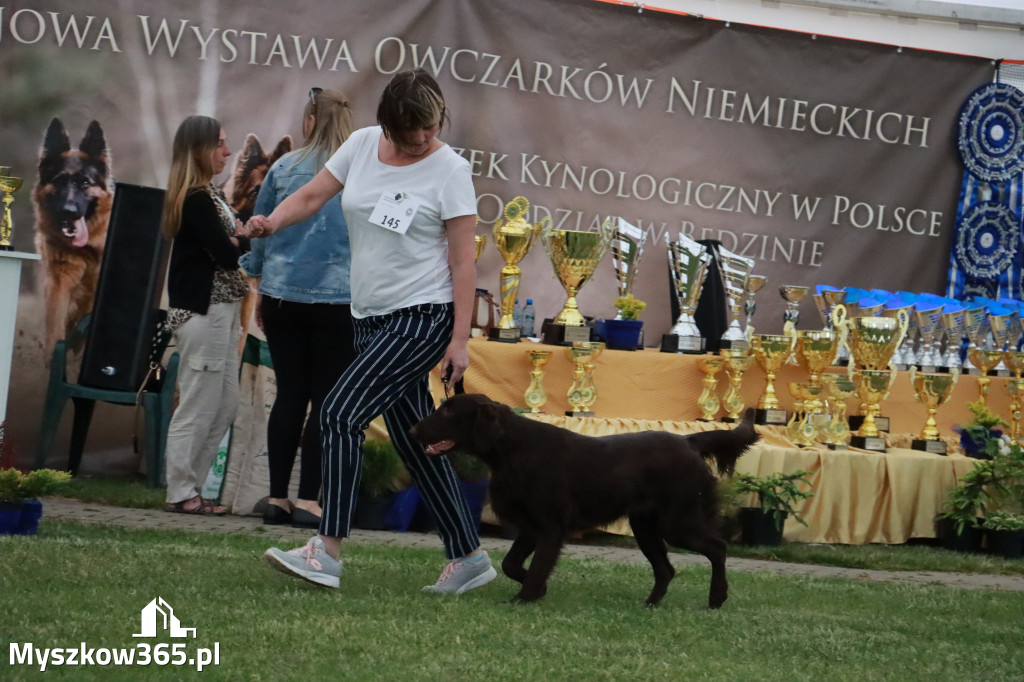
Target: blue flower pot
[(976, 448), (10, 517), (31, 511), (622, 334)]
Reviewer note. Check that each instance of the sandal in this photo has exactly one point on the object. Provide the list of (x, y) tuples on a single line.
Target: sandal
[(205, 508)]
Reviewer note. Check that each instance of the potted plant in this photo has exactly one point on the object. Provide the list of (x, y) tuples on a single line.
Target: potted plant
[(624, 332), (729, 508), (1003, 533), (20, 508), (980, 438), (381, 470), (776, 495)]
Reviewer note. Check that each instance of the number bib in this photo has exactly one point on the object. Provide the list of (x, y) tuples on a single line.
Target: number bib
[(394, 212)]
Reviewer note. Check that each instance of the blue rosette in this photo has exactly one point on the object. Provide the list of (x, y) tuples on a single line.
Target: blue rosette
[(991, 132), (987, 240)]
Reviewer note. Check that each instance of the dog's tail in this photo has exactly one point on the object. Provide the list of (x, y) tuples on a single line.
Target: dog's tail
[(725, 447)]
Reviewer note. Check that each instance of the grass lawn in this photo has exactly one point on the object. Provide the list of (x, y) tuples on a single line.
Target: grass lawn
[(75, 584)]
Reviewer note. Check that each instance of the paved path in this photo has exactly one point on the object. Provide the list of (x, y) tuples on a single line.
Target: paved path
[(89, 512)]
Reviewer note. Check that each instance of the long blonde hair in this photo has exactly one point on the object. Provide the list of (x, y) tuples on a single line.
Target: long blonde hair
[(332, 123), (197, 138)]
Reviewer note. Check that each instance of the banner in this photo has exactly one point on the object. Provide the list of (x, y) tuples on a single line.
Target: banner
[(825, 160)]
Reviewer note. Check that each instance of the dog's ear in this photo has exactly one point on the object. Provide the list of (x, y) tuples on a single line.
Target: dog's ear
[(93, 145), (487, 428), (251, 155), (282, 148), (55, 145)]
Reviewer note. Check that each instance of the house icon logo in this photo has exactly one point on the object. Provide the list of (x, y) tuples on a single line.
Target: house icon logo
[(158, 614)]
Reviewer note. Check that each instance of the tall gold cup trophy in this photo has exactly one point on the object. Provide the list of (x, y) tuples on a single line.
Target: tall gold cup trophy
[(838, 389), (771, 352), (688, 264), (708, 401), (932, 390), (574, 255), (8, 185), (872, 342), (535, 395), (513, 237), (737, 362), (582, 393)]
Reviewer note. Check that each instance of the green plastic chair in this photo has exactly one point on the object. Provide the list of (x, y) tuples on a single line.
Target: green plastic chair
[(156, 406)]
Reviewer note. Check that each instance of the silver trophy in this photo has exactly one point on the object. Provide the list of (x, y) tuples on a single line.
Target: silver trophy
[(792, 294), (688, 264), (953, 330), (627, 251), (735, 273), (929, 326)]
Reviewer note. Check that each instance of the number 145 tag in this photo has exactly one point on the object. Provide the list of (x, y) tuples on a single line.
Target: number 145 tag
[(394, 211)]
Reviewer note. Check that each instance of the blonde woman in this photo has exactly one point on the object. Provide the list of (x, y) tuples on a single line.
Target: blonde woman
[(204, 288), (303, 309)]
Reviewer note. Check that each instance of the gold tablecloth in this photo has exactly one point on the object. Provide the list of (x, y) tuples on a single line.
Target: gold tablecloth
[(859, 496)]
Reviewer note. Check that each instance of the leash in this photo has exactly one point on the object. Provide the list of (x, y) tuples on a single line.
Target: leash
[(449, 390)]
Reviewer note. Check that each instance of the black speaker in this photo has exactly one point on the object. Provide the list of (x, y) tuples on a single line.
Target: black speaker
[(131, 282)]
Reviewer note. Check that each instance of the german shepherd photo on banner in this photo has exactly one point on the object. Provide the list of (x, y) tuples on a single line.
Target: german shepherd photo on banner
[(72, 198)]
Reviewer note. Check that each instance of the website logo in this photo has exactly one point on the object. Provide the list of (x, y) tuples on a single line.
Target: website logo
[(159, 614)]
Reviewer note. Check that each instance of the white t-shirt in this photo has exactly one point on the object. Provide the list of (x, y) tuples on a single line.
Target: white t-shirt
[(391, 271)]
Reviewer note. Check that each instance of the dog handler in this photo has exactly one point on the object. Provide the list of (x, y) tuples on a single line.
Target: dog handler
[(411, 211)]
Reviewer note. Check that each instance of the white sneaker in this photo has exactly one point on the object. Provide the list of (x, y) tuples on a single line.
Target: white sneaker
[(310, 562), (463, 575)]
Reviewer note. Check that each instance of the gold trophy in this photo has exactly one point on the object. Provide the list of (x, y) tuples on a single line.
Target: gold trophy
[(513, 237), (9, 185), (479, 241), (932, 390), (792, 294), (735, 273), (688, 264), (582, 393), (771, 352), (708, 402), (1015, 387), (574, 255), (872, 342), (807, 401), (816, 349), (976, 326), (535, 395), (736, 363), (985, 360), (838, 390)]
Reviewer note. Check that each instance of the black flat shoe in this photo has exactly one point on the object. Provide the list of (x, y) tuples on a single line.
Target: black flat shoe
[(304, 519), (275, 516)]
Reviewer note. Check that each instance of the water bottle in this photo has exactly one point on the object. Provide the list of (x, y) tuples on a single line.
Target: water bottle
[(517, 315), (528, 318)]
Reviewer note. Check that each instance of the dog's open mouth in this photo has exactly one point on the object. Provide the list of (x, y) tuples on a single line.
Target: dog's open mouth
[(77, 231), (439, 447)]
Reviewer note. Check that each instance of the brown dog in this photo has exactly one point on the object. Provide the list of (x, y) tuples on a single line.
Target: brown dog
[(72, 198), (550, 482)]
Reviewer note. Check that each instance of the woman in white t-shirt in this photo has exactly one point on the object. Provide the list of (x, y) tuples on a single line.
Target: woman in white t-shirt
[(411, 211)]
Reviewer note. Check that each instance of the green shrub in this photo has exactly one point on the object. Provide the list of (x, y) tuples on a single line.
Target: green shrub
[(382, 467)]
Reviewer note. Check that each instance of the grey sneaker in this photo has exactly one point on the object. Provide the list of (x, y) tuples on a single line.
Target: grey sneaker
[(463, 575), (311, 562)]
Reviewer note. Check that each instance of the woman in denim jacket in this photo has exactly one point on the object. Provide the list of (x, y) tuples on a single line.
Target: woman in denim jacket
[(303, 309)]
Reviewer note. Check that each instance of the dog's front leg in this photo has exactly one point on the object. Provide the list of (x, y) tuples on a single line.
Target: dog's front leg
[(514, 563), (544, 558)]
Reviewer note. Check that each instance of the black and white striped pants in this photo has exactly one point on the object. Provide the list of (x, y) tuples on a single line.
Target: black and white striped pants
[(390, 376)]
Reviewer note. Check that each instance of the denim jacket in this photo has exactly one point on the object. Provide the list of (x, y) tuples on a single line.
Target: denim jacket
[(308, 262)]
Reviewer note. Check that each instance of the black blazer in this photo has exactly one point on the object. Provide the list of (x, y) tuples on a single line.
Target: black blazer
[(201, 247)]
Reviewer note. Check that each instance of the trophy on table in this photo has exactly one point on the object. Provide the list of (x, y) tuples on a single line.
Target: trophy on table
[(627, 252), (688, 264), (513, 237), (932, 389), (708, 401), (838, 389), (735, 273), (535, 395), (807, 399), (1005, 326), (904, 356), (825, 300), (929, 323), (1015, 387), (9, 185), (771, 352), (737, 362), (574, 254), (754, 284), (953, 329), (792, 294), (872, 342), (582, 393)]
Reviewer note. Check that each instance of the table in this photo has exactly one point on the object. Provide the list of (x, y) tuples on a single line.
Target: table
[(859, 496)]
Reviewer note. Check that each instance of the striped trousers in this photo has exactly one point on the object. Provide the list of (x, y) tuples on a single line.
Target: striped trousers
[(390, 377)]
